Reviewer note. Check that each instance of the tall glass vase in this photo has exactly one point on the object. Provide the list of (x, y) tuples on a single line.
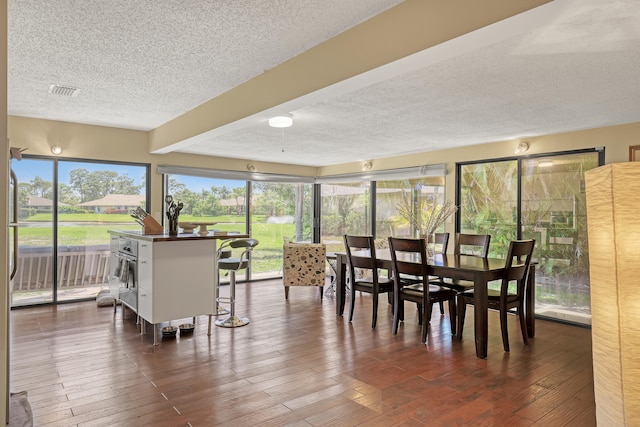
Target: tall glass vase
[(430, 242)]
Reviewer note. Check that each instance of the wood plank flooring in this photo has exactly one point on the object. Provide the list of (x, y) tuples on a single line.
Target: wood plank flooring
[(295, 364)]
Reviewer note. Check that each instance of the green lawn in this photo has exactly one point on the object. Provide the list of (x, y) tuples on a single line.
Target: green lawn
[(92, 229)]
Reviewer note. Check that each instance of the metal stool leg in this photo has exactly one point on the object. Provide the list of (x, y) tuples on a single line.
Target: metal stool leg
[(232, 321), (218, 310)]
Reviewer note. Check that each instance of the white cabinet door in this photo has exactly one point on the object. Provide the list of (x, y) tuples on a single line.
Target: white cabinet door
[(114, 282), (175, 279), (183, 274), (145, 280)]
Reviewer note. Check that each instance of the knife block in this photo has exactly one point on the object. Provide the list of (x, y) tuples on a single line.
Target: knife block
[(151, 226)]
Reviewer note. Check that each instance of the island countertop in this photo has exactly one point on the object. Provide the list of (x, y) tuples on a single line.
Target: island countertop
[(181, 237)]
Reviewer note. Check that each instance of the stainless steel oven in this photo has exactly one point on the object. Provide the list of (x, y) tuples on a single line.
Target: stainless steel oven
[(125, 287)]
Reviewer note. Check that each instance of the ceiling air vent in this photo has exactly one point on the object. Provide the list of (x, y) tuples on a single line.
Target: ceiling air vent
[(63, 90)]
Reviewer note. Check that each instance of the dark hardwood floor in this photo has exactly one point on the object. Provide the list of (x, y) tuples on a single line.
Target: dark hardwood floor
[(298, 364)]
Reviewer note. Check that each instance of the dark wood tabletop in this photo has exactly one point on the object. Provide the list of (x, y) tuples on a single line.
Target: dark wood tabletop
[(478, 270)]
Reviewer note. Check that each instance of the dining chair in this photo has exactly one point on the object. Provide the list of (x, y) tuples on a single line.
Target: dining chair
[(466, 244), (361, 258), (409, 259), (508, 297)]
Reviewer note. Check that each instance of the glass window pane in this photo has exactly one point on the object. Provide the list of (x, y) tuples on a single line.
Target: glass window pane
[(92, 199), (390, 195), (346, 209), (33, 282), (554, 213), (278, 212), (488, 202)]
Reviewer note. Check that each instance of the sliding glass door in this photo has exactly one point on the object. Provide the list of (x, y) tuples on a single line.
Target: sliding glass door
[(554, 213), (279, 211), (33, 282), (539, 197), (65, 211)]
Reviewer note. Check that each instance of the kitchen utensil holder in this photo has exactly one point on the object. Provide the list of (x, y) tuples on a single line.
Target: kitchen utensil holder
[(151, 226), (173, 227)]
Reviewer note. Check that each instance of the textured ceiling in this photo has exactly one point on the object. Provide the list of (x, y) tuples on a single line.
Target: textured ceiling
[(140, 64)]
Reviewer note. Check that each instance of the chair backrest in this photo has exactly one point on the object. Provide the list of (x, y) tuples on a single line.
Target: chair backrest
[(472, 244), (517, 264), (409, 258), (361, 261), (441, 242), (247, 244)]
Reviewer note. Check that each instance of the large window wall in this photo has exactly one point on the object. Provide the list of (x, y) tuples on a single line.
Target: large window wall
[(371, 207), (269, 211), (65, 209), (540, 197)]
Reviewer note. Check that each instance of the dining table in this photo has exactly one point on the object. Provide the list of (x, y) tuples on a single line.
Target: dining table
[(463, 267)]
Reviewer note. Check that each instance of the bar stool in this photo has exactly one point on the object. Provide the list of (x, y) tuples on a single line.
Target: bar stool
[(233, 264), (223, 252)]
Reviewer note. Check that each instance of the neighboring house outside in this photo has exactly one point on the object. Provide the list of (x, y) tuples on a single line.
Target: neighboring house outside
[(235, 205), (115, 203), (41, 204)]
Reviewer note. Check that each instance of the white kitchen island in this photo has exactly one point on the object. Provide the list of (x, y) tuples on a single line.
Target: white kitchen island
[(174, 276)]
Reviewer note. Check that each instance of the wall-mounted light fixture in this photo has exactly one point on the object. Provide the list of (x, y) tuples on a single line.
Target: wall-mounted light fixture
[(283, 121), (56, 149), (251, 167), (522, 147), (366, 166)]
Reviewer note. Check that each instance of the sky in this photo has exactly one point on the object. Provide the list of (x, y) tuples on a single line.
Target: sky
[(29, 168)]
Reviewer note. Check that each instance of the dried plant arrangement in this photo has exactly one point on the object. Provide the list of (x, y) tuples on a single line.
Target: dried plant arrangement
[(427, 216)]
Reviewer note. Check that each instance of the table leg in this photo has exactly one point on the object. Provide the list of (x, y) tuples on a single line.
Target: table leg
[(481, 315), (530, 302), (340, 283)]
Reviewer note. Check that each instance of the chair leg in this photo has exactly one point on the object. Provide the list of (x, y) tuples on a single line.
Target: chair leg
[(453, 316), (286, 292), (374, 317), (503, 326), (420, 315), (353, 303), (523, 325), (425, 321), (441, 308), (321, 292), (429, 312), (462, 310), (397, 314)]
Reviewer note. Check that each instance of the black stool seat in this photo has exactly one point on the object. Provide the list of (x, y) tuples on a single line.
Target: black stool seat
[(232, 264)]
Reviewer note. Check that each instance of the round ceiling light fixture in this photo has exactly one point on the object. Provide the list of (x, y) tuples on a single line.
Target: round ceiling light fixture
[(283, 121), (56, 149)]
